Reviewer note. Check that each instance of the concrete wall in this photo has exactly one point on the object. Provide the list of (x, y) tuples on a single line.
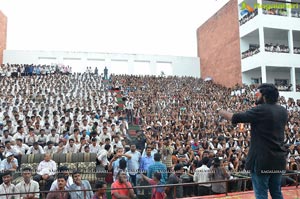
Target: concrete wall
[(116, 63), (3, 32), (219, 46)]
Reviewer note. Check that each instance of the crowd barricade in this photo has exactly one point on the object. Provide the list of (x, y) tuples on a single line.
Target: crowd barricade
[(238, 178)]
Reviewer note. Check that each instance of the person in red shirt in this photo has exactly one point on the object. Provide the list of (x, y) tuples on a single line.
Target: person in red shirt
[(126, 191), (157, 192)]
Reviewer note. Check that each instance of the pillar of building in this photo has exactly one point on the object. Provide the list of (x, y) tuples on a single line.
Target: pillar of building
[(263, 74), (293, 78), (261, 39), (259, 2), (290, 41), (289, 10)]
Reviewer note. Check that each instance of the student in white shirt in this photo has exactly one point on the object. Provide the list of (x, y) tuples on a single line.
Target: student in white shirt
[(36, 149), (10, 163), (50, 148), (22, 148), (53, 136), (71, 147), (65, 171), (201, 174), (7, 187), (94, 147), (28, 185), (46, 171)]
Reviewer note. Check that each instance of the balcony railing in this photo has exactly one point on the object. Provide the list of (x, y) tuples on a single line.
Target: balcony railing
[(296, 50), (248, 17), (277, 48), (250, 52), (273, 11), (295, 14)]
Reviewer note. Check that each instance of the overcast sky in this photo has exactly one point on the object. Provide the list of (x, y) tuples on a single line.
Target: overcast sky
[(161, 27)]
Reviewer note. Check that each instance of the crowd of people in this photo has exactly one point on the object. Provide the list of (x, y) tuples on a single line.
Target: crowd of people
[(17, 70), (254, 49), (296, 50), (181, 138), (277, 48), (295, 14), (274, 11), (248, 16)]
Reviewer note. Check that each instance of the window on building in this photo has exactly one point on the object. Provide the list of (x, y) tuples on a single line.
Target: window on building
[(255, 81), (281, 82)]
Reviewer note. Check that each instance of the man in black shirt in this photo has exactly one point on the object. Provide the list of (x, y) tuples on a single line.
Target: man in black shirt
[(266, 159)]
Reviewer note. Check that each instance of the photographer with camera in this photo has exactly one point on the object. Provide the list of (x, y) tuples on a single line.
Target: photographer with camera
[(114, 163)]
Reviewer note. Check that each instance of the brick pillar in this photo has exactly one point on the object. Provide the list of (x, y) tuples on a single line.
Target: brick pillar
[(219, 46), (3, 33)]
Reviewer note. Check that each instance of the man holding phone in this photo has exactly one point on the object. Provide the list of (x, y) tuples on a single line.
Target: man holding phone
[(121, 188)]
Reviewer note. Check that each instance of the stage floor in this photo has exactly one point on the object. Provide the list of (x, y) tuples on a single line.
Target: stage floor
[(288, 193)]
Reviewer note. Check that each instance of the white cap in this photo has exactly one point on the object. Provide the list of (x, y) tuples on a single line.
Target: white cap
[(8, 154)]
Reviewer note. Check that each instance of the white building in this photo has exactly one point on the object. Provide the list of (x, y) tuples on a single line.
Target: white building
[(136, 64), (270, 44)]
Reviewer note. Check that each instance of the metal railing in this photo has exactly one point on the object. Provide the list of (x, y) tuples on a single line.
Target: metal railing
[(44, 193)]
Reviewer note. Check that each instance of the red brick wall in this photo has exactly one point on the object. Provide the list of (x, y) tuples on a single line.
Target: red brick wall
[(3, 32), (219, 46)]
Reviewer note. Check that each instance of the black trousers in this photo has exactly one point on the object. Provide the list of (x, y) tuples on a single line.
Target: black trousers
[(48, 183), (203, 191)]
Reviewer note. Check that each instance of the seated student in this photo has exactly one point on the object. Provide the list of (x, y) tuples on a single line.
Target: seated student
[(35, 149), (100, 192), (7, 187), (80, 185), (10, 163), (46, 171), (60, 192), (28, 185), (64, 170)]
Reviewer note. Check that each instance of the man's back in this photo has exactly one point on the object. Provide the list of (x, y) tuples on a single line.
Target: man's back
[(267, 151), (158, 167)]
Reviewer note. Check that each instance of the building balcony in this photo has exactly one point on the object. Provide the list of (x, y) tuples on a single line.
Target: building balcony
[(270, 59)]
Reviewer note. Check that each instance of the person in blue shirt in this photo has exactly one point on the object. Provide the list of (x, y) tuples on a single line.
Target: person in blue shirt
[(80, 185), (158, 167), (147, 160)]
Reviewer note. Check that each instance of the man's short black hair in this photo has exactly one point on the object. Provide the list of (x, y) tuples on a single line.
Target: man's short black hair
[(26, 169), (75, 172), (205, 160), (178, 167), (61, 175), (6, 173), (99, 184), (63, 168), (157, 157), (35, 143), (157, 175), (270, 92), (107, 147)]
